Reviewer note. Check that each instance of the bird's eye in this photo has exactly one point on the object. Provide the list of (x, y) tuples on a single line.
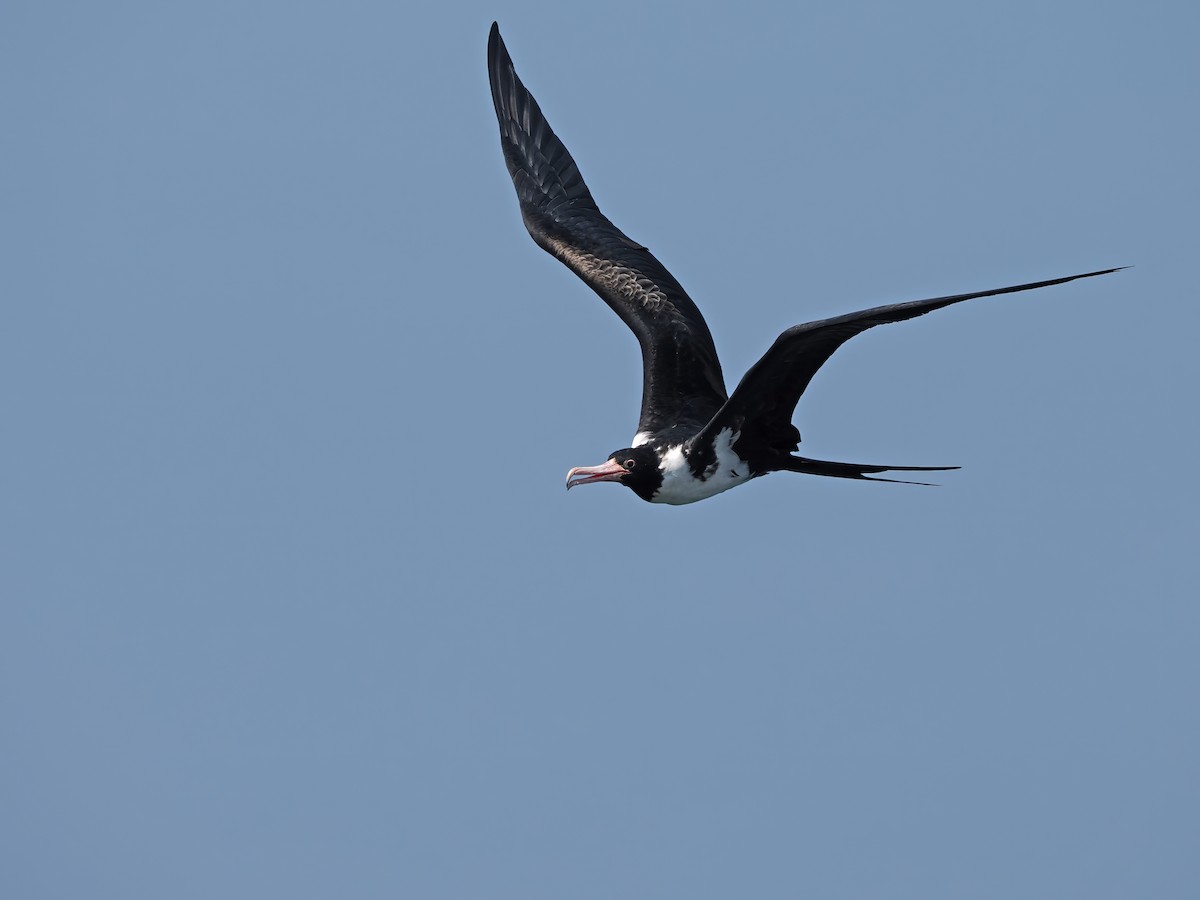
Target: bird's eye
[(630, 463)]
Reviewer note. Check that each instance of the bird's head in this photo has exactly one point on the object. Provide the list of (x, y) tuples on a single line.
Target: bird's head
[(636, 468)]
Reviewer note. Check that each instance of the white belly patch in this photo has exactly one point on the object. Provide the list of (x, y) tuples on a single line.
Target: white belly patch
[(680, 486)]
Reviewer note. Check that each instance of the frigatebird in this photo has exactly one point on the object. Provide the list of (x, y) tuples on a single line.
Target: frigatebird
[(693, 440)]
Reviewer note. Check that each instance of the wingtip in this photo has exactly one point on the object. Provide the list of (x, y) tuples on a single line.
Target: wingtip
[(1102, 272), (495, 44), (497, 61)]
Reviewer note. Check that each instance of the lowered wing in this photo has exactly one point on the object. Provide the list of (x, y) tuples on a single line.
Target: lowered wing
[(761, 406)]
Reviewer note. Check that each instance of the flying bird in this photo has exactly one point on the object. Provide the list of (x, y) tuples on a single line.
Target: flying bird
[(693, 439)]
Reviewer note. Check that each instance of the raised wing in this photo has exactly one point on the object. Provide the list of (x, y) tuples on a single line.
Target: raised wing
[(682, 383), (762, 404)]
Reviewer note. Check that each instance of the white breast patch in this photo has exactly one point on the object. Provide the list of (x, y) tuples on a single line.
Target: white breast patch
[(681, 486)]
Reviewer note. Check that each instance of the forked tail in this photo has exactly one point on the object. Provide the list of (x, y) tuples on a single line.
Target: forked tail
[(855, 470)]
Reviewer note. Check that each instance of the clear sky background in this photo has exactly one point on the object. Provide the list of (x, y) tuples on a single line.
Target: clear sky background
[(294, 603)]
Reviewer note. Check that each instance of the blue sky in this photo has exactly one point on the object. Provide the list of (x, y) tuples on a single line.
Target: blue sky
[(295, 604)]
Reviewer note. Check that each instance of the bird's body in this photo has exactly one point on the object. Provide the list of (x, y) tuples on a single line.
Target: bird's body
[(693, 439)]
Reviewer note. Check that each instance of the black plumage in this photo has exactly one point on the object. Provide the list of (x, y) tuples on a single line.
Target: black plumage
[(693, 440), (682, 375)]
